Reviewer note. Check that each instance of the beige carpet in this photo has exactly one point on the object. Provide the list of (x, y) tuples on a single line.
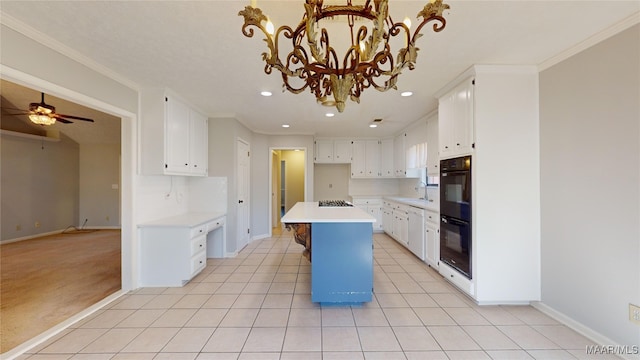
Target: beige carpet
[(49, 279)]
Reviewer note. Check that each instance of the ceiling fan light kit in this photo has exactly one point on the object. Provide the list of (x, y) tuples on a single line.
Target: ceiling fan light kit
[(368, 62), (44, 114)]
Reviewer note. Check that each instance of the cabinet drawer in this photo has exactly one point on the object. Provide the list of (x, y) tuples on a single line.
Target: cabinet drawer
[(198, 230), (214, 224), (432, 216), (198, 244), (456, 279), (198, 263)]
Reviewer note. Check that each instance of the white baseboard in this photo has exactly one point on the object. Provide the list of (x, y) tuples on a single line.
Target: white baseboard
[(580, 328), (54, 232), (48, 334), (259, 237)]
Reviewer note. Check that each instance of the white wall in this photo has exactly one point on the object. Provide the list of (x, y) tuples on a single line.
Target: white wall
[(223, 135), (590, 186)]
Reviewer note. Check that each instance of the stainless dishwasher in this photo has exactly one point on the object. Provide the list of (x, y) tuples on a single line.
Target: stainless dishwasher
[(416, 232)]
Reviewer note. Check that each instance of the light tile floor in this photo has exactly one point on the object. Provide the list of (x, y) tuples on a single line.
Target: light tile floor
[(257, 306)]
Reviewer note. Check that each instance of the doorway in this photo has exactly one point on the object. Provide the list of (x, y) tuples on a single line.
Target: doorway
[(120, 219), (288, 183)]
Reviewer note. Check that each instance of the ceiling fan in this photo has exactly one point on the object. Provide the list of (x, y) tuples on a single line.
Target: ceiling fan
[(44, 114)]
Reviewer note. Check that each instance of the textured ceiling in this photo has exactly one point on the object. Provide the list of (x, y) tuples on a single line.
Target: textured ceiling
[(196, 49)]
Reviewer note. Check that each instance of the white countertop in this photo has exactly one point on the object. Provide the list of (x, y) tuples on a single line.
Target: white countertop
[(424, 204), (310, 212), (185, 220)]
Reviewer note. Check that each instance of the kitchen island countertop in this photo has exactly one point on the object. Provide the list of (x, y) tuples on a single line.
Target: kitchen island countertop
[(310, 212)]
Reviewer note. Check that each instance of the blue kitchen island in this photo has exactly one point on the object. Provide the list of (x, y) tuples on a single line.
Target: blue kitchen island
[(340, 241)]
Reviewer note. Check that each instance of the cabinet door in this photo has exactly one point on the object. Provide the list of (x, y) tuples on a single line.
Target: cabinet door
[(376, 212), (433, 244), (455, 110), (324, 151), (372, 158), (446, 119), (463, 127), (399, 159), (433, 160), (386, 158), (177, 137), (358, 159), (199, 143), (342, 151), (387, 220)]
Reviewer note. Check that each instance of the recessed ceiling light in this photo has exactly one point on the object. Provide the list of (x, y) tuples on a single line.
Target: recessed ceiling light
[(329, 114), (266, 93), (406, 93), (285, 125), (373, 125)]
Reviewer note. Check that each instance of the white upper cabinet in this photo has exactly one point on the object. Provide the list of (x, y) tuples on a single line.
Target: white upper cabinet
[(386, 159), (399, 155), (174, 136), (433, 160), (366, 159), (199, 147), (332, 151), (455, 123)]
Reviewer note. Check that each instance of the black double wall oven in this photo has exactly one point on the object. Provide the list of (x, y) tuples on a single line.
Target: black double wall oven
[(455, 214)]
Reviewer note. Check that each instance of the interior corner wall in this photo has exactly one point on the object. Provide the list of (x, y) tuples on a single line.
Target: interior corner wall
[(100, 185), (40, 181), (590, 186)]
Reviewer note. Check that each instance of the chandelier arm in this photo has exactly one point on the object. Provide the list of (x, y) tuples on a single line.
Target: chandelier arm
[(315, 63)]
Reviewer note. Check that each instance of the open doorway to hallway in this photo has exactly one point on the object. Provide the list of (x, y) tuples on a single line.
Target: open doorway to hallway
[(287, 182)]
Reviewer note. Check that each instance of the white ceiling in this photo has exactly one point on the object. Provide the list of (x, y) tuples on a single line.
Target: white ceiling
[(196, 49)]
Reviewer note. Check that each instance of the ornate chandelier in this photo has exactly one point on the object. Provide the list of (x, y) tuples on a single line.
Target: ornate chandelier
[(368, 61)]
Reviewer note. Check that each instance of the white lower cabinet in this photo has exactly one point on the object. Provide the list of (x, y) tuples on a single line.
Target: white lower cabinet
[(174, 250), (432, 238), (374, 208)]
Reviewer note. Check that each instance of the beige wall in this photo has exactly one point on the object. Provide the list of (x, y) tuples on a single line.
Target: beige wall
[(590, 186), (331, 181), (99, 172), (40, 182), (294, 176)]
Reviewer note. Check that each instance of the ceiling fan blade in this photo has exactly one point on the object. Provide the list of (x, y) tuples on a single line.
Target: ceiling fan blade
[(64, 121), (73, 117)]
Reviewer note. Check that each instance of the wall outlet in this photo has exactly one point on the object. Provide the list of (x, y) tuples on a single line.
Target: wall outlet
[(107, 217), (37, 224), (634, 314), (18, 227)]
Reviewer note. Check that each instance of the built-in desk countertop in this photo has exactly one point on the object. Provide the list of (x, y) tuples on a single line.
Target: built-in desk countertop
[(184, 220)]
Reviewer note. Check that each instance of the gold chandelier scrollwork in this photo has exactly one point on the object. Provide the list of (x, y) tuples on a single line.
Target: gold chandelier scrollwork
[(368, 62)]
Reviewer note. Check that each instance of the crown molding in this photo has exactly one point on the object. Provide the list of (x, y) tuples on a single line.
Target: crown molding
[(59, 47), (591, 41)]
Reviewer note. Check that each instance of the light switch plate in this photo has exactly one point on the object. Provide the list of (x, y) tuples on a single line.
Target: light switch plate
[(634, 314)]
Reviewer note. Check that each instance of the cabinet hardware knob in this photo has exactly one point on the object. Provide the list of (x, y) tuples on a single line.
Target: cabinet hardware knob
[(451, 275)]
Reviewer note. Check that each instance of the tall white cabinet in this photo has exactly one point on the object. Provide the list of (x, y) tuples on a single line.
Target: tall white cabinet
[(174, 135), (496, 108)]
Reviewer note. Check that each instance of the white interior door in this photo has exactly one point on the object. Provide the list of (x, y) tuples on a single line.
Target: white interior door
[(243, 195)]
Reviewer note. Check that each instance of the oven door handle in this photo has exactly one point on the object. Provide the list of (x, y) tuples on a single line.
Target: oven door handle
[(453, 221)]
